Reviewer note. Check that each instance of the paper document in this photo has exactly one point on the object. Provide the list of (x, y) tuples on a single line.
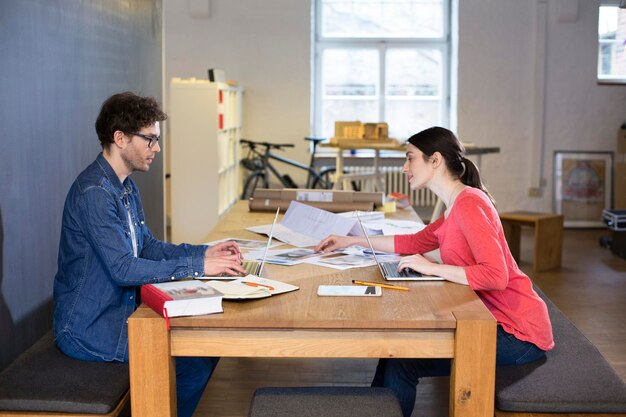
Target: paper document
[(292, 256), (246, 244), (342, 261), (389, 227), (304, 225)]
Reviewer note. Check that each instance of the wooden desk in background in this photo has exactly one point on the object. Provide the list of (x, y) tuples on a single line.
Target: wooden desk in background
[(433, 320)]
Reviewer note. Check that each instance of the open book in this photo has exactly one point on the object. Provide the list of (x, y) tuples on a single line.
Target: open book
[(250, 287)]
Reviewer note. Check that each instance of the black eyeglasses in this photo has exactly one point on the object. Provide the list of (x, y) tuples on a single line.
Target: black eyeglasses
[(151, 139)]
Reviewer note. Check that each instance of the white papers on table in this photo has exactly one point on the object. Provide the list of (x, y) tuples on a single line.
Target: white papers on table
[(292, 256), (352, 257), (365, 216), (304, 225), (394, 227), (247, 244), (342, 261)]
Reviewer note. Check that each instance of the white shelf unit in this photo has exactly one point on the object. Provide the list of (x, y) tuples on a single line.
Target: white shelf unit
[(205, 125)]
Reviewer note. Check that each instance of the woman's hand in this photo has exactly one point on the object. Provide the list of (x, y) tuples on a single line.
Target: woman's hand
[(417, 263), (424, 266), (229, 265), (223, 249), (334, 242)]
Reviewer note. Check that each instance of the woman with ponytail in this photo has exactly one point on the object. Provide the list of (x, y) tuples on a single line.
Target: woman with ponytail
[(474, 252)]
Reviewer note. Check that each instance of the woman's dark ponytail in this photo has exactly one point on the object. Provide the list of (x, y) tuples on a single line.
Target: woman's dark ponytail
[(439, 139), (471, 177)]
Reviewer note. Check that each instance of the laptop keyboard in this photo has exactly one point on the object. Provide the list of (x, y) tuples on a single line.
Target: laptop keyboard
[(251, 268), (391, 270)]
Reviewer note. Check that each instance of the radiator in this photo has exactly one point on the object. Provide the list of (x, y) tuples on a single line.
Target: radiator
[(395, 181)]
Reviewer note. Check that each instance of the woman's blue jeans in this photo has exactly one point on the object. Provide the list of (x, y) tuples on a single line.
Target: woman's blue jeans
[(403, 375)]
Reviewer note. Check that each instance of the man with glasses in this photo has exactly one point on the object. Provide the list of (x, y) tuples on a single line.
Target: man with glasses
[(107, 251)]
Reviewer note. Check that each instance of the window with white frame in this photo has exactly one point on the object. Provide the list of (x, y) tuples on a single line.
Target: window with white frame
[(381, 60), (611, 42)]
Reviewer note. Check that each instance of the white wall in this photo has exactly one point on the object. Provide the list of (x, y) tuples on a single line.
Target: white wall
[(497, 103), (266, 47)]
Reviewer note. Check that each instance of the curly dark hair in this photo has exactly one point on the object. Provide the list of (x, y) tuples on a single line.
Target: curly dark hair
[(127, 112)]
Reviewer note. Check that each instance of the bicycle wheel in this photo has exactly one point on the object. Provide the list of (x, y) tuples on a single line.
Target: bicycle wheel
[(324, 180), (255, 179)]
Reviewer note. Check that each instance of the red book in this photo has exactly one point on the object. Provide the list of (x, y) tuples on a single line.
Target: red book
[(182, 298)]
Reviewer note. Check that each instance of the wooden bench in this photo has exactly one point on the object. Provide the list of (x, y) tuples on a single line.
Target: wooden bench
[(324, 402), (573, 380), (548, 244), (45, 382)]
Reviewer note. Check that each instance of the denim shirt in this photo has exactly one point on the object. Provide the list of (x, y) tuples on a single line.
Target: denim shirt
[(96, 286)]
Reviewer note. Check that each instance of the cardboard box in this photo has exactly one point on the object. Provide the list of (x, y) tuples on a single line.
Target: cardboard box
[(620, 186), (621, 141)]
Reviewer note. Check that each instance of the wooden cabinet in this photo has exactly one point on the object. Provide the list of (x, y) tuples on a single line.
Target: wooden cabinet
[(205, 125)]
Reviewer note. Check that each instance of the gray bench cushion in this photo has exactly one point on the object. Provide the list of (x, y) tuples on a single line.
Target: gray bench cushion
[(574, 377), (324, 402), (44, 379)]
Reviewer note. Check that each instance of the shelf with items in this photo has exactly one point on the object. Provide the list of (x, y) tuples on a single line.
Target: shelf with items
[(205, 128)]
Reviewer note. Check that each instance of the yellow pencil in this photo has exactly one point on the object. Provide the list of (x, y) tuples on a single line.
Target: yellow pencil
[(375, 284)]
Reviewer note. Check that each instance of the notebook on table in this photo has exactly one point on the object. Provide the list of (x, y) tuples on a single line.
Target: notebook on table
[(250, 266), (389, 270)]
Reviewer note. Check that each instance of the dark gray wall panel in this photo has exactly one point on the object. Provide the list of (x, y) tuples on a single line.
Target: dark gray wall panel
[(60, 60)]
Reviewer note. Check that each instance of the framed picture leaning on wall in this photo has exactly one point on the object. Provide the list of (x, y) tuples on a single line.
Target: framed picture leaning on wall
[(583, 183)]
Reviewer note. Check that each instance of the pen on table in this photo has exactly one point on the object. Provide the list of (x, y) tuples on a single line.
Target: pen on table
[(375, 284), (255, 284)]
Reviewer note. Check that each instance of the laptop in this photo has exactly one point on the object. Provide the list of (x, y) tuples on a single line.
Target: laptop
[(389, 270), (252, 267)]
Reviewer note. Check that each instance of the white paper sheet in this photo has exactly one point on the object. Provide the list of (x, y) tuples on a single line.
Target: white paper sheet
[(247, 244), (304, 226), (291, 256)]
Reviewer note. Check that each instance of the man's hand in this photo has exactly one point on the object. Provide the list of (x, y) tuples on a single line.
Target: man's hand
[(229, 265), (223, 249)]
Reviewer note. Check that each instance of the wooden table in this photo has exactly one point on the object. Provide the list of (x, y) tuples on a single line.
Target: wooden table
[(432, 320)]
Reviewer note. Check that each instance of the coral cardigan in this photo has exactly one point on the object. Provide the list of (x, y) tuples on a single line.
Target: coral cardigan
[(472, 237)]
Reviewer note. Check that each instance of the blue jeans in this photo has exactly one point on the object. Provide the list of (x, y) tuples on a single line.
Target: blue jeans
[(192, 375), (403, 375)]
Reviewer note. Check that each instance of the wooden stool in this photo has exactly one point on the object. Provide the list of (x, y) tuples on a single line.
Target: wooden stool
[(548, 236)]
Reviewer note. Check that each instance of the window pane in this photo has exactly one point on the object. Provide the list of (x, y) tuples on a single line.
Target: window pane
[(611, 39), (347, 110), (350, 89), (382, 18), (407, 117), (413, 72)]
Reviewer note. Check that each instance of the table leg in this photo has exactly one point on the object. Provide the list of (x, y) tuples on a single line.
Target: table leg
[(152, 370), (472, 382), (338, 170), (548, 243)]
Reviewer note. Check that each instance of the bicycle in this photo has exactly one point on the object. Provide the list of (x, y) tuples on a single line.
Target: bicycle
[(258, 162)]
